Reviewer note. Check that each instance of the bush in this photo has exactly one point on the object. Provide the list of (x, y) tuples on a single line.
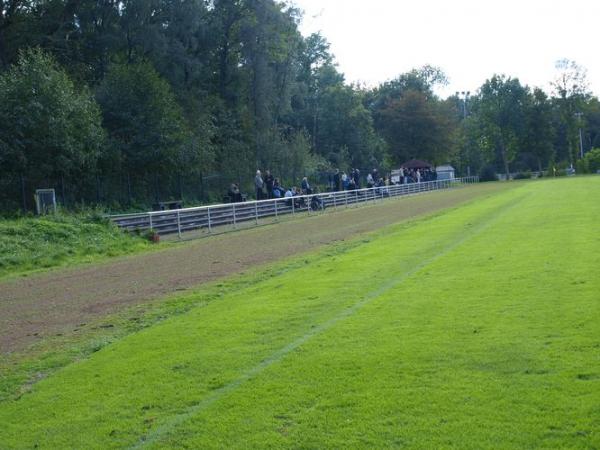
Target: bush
[(488, 173), (523, 176), (592, 160)]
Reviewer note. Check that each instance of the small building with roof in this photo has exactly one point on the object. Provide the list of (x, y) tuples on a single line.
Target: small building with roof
[(446, 172)]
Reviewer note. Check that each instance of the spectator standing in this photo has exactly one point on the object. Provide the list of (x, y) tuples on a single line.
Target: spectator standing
[(356, 178), (375, 175), (269, 180), (231, 193), (418, 174), (337, 180), (306, 186), (345, 180), (259, 184), (370, 181)]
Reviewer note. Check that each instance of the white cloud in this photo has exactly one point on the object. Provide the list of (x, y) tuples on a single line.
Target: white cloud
[(470, 39)]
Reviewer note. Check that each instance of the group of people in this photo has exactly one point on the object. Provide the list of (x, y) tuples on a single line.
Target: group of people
[(417, 175), (341, 181), (269, 187)]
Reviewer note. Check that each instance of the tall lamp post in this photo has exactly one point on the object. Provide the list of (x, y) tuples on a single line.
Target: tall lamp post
[(463, 98), (579, 115)]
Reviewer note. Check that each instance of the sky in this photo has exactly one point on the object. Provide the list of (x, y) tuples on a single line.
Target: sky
[(470, 40)]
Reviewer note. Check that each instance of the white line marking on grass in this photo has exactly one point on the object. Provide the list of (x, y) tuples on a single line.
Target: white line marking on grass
[(281, 353)]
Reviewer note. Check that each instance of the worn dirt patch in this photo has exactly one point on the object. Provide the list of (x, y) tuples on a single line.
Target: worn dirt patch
[(58, 301)]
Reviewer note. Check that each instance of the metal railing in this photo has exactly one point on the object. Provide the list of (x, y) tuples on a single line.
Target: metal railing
[(213, 218)]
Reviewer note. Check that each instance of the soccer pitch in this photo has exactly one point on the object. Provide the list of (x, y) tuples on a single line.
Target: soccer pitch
[(477, 327)]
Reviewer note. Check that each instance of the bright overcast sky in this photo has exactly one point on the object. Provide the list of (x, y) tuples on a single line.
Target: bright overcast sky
[(376, 40)]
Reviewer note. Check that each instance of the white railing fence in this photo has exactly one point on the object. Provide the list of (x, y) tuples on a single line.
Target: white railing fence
[(218, 218)]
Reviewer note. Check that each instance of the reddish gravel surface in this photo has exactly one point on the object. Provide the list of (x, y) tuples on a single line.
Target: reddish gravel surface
[(57, 301)]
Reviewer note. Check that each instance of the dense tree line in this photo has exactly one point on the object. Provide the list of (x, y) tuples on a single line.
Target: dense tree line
[(125, 101)]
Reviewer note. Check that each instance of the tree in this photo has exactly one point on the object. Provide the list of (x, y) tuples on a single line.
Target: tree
[(591, 118), (591, 161), (571, 92), (49, 130), (413, 121), (145, 124), (416, 127), (539, 137), (500, 111), (345, 127)]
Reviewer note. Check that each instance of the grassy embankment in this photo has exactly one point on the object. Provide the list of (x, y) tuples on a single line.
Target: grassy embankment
[(474, 328), (30, 243)]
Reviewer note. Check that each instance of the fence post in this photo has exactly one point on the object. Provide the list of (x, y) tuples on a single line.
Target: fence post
[(234, 224), (256, 212), (150, 217), (293, 205), (178, 225), (334, 202), (209, 225), (276, 217)]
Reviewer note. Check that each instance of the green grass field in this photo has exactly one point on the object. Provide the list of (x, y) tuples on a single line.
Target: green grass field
[(32, 243), (474, 328)]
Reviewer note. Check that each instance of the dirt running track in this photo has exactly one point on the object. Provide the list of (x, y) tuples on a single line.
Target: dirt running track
[(57, 301)]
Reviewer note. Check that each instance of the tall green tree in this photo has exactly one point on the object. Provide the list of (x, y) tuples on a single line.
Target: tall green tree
[(539, 132), (50, 131), (13, 18), (571, 90), (500, 111), (145, 124), (344, 132), (413, 120)]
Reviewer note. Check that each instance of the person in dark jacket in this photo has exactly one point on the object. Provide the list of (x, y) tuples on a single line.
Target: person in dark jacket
[(269, 180), (234, 193), (356, 178), (337, 180)]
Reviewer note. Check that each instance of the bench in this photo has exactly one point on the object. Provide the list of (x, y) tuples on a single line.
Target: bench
[(227, 198), (167, 206)]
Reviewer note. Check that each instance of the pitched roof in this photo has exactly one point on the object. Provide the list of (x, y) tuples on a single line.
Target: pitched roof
[(416, 164)]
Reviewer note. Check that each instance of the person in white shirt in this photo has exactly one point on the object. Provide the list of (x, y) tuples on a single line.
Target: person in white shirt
[(259, 183), (370, 182)]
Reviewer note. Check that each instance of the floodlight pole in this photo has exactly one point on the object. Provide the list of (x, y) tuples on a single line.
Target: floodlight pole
[(463, 97), (579, 115)]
